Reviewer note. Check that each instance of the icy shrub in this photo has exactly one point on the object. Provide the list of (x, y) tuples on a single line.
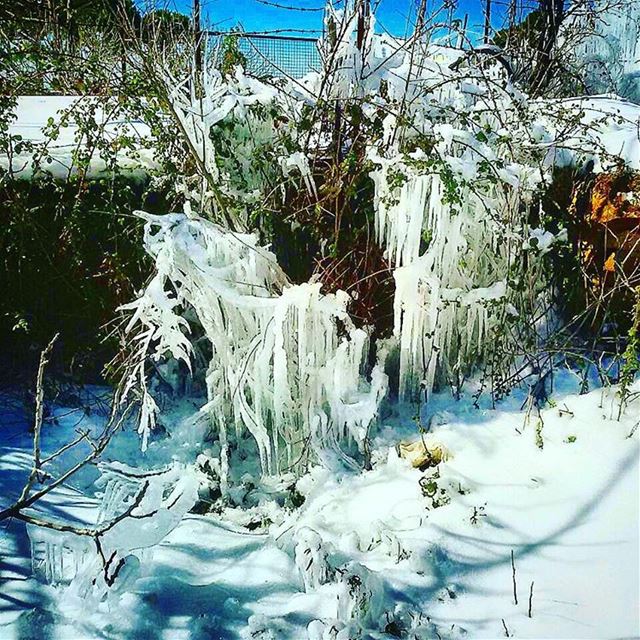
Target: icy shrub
[(405, 622), (238, 138), (360, 595), (381, 538), (285, 361), (311, 557), (440, 164), (452, 212)]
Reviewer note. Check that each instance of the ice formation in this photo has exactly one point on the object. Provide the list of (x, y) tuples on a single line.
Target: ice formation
[(607, 54), (137, 511), (235, 107), (311, 557), (53, 560), (454, 169), (286, 362), (454, 227), (360, 595)]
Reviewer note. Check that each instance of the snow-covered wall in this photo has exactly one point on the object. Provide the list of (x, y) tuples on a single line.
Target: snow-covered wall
[(56, 127)]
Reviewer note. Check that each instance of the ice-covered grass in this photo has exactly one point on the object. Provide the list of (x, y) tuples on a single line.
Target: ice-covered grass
[(367, 553)]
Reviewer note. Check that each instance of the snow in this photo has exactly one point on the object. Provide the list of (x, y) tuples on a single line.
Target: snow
[(542, 240), (32, 116), (381, 553), (608, 129)]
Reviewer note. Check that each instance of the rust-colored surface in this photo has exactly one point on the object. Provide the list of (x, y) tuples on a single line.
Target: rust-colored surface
[(365, 274), (604, 213), (609, 228), (616, 198)]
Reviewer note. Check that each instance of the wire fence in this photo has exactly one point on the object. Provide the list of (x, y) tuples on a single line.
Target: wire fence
[(277, 55), (268, 55)]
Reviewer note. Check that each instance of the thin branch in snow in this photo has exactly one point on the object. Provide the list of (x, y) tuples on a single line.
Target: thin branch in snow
[(37, 426), (530, 598), (513, 576), (116, 420)]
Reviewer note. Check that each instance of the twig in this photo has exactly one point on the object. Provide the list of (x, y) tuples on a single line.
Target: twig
[(37, 424), (565, 411), (83, 435), (515, 588), (109, 579), (94, 531), (530, 598), (112, 426), (506, 631), (37, 427)]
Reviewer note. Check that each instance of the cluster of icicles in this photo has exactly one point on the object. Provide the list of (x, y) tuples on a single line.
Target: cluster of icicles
[(446, 291), (286, 361)]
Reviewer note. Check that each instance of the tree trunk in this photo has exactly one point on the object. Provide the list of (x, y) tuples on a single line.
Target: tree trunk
[(552, 14)]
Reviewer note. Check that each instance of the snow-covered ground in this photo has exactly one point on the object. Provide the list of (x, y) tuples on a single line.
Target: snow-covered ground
[(563, 498)]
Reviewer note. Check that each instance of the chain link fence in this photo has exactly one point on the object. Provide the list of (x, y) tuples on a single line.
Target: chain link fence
[(273, 56)]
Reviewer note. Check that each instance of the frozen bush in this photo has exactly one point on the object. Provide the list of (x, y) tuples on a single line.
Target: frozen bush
[(311, 558), (286, 362), (360, 595)]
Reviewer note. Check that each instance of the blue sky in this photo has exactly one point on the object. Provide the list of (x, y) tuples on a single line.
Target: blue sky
[(254, 15)]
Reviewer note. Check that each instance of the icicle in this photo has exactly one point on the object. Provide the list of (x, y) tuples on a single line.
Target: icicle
[(442, 289), (278, 360)]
